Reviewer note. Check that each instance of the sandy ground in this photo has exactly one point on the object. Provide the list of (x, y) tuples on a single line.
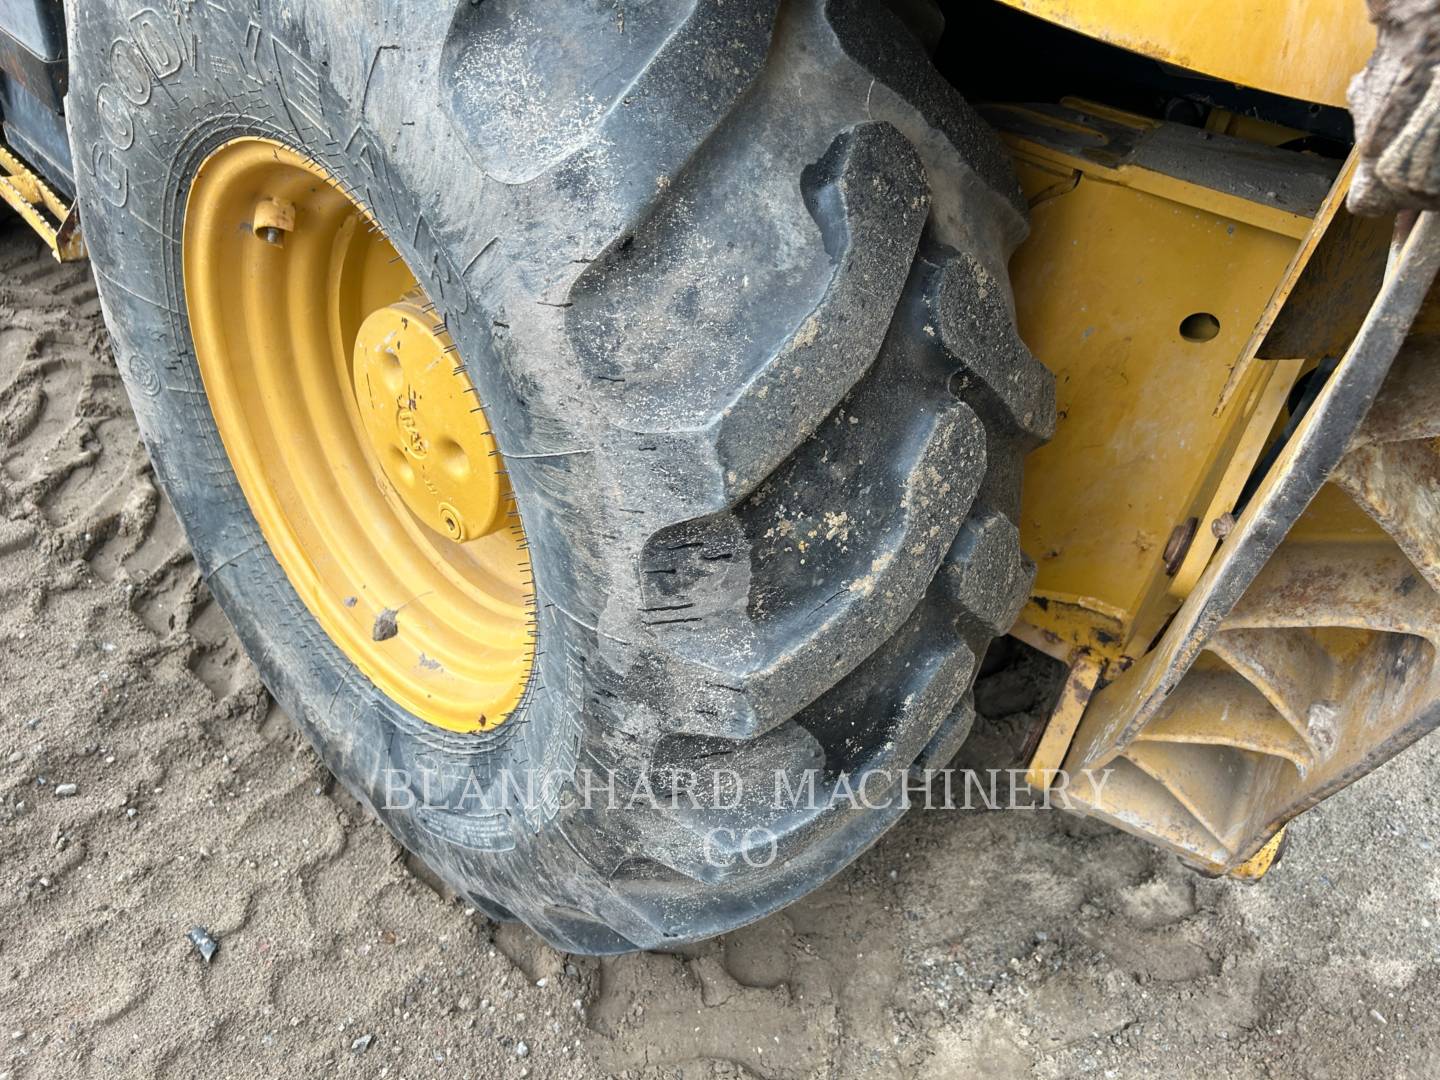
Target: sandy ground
[(998, 944)]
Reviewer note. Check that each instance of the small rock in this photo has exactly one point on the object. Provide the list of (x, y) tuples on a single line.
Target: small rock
[(362, 1044), (64, 791), (1378, 1016), (17, 757), (204, 944), (522, 1050), (542, 983)]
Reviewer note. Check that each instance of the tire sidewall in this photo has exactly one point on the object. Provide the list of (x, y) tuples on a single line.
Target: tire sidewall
[(152, 97)]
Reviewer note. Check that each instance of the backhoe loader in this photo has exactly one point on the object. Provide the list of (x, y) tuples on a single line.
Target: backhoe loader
[(596, 418)]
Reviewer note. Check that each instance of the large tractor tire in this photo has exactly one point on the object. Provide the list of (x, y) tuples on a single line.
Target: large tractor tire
[(722, 288)]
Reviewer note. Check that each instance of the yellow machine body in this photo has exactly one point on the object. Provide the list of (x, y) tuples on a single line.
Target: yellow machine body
[(1158, 256), (1241, 581), (1305, 49)]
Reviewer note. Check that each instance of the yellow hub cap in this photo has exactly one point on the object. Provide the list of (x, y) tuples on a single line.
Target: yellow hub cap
[(359, 443), (425, 425)]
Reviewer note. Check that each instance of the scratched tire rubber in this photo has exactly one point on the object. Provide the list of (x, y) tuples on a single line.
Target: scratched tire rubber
[(731, 279)]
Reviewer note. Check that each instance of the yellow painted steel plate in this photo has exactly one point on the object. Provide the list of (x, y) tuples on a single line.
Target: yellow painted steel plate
[(1306, 49)]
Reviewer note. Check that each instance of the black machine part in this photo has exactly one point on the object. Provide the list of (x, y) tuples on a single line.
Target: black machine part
[(34, 78)]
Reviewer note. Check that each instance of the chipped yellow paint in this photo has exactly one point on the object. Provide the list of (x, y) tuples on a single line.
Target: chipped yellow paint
[(1085, 672), (1259, 864)]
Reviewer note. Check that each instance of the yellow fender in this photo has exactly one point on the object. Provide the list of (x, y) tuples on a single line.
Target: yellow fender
[(1306, 49)]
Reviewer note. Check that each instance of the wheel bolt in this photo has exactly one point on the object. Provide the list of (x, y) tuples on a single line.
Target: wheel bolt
[(273, 219)]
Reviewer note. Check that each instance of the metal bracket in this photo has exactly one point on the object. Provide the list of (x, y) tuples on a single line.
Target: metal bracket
[(45, 212), (1306, 655)]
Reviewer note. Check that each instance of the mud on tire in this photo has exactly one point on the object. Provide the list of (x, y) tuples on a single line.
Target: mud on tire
[(731, 279)]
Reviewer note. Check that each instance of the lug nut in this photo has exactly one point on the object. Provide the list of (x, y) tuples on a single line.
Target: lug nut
[(273, 219), (454, 524)]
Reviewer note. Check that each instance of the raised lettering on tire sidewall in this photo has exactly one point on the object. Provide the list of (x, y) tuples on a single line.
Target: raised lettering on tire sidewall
[(163, 92)]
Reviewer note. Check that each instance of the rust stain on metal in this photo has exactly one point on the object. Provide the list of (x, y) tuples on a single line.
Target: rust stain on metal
[(1181, 537)]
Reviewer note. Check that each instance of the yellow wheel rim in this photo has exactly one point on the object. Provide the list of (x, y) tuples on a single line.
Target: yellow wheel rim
[(356, 436)]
